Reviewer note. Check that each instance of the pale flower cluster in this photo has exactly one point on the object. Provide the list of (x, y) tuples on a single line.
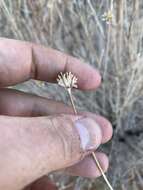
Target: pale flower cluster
[(107, 16), (67, 80)]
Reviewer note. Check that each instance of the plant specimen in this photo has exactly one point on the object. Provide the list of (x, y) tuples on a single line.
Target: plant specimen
[(69, 81)]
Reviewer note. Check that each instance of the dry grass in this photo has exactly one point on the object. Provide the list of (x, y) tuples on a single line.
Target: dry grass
[(116, 49)]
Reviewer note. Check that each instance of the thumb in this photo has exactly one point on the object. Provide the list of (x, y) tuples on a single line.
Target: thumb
[(33, 147)]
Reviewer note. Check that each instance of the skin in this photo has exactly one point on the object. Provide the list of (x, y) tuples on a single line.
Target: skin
[(28, 139)]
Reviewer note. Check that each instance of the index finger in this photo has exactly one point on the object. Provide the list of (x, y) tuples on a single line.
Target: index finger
[(21, 61)]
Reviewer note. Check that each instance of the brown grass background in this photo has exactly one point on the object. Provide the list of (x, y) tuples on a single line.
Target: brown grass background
[(76, 27)]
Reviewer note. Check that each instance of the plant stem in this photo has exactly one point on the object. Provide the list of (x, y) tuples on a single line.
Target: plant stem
[(93, 154), (72, 101), (101, 170)]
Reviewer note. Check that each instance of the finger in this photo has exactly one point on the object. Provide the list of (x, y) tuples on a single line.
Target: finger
[(42, 184), (33, 147), (21, 61), (85, 168), (16, 103), (88, 168)]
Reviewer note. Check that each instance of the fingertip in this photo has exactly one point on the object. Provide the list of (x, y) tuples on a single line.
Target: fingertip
[(96, 79), (106, 126), (88, 167), (104, 162), (92, 78), (88, 77), (93, 171)]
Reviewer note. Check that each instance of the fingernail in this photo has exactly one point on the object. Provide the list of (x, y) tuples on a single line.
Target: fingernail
[(89, 132)]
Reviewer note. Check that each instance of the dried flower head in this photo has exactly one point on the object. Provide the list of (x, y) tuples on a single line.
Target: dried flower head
[(107, 16), (67, 80)]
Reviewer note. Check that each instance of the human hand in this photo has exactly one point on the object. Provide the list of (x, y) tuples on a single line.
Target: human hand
[(37, 135)]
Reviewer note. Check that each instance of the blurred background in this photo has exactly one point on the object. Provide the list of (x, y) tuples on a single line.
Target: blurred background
[(108, 35)]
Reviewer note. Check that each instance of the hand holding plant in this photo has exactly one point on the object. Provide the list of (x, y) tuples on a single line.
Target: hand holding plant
[(69, 81), (38, 135)]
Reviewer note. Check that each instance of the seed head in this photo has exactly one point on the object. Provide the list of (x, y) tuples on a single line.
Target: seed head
[(107, 16), (67, 80)]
